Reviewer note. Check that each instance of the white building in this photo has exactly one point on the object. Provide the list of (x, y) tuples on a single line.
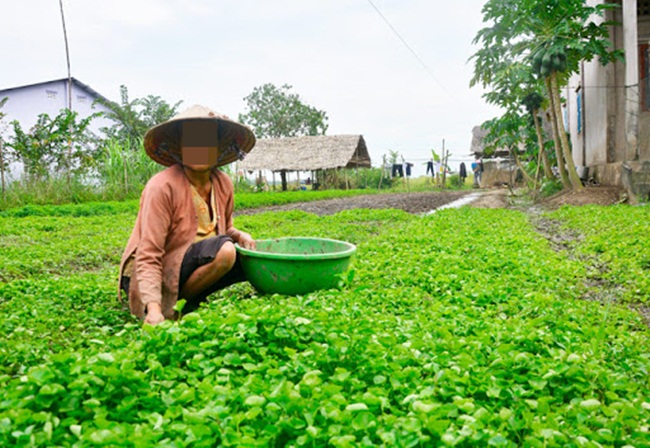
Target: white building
[(26, 103), (608, 107)]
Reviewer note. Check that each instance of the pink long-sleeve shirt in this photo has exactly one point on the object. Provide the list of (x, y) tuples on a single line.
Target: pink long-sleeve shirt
[(165, 227)]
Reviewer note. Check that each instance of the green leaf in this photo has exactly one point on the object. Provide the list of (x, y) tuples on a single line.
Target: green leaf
[(255, 400)]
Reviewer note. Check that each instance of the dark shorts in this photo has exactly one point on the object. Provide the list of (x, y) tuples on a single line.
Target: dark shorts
[(198, 254)]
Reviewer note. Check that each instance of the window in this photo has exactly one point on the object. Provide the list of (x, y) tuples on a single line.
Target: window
[(579, 109), (51, 94)]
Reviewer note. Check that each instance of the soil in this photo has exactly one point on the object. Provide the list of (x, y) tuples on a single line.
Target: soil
[(599, 195), (424, 202), (409, 202)]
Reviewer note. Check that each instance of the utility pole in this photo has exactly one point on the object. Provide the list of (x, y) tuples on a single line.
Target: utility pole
[(67, 57)]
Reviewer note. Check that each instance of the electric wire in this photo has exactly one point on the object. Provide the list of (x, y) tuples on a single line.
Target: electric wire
[(406, 44)]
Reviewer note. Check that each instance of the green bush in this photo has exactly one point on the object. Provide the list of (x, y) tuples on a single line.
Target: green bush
[(550, 187)]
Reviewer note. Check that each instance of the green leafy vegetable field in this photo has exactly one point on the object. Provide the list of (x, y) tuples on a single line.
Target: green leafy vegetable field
[(462, 328), (244, 201)]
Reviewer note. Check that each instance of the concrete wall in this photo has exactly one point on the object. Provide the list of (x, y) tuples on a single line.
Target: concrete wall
[(615, 132), (644, 116), (499, 172), (589, 147)]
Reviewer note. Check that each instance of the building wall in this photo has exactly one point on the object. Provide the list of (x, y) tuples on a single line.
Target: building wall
[(589, 146), (592, 138), (615, 130), (616, 93), (644, 116), (25, 104)]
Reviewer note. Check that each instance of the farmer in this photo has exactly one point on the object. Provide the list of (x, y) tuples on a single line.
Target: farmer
[(182, 245)]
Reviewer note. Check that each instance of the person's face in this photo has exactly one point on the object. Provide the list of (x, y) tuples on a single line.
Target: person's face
[(199, 145)]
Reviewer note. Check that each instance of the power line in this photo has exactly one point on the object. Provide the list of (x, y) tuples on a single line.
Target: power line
[(408, 46)]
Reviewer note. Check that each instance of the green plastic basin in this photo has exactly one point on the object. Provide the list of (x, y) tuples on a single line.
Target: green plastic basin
[(295, 265)]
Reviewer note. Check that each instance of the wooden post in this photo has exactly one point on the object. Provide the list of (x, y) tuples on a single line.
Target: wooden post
[(283, 176), (445, 158), (383, 168), (273, 176)]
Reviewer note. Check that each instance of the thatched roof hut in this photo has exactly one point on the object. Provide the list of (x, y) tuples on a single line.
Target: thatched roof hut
[(308, 153), (478, 135), (477, 147)]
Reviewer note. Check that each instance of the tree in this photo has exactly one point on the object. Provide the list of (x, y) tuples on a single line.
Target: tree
[(533, 102), (551, 37), (47, 144), (276, 112), (154, 110), (133, 118), (515, 89)]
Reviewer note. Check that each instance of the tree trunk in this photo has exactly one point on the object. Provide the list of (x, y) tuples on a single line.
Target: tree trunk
[(576, 183), (556, 139), (548, 172), (521, 167)]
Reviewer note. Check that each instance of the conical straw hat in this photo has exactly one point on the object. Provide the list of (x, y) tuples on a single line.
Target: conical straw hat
[(163, 142)]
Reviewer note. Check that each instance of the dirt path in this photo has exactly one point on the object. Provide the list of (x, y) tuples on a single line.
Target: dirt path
[(409, 202)]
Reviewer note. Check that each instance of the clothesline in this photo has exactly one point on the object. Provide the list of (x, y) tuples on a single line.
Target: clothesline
[(418, 159)]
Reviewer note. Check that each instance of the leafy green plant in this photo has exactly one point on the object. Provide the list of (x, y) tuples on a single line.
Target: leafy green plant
[(617, 237), (123, 168), (461, 328), (63, 143)]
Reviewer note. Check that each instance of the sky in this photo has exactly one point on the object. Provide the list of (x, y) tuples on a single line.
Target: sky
[(395, 71)]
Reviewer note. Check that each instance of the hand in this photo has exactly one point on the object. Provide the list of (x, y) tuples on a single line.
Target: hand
[(154, 314), (246, 241)]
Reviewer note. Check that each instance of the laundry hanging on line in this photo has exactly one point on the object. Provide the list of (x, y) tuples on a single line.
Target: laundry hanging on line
[(463, 170), (430, 168)]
